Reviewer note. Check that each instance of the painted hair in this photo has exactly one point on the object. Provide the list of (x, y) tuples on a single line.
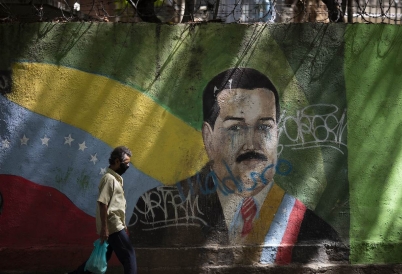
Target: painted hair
[(234, 78), (118, 153)]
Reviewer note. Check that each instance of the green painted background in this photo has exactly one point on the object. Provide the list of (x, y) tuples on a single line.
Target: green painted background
[(373, 70)]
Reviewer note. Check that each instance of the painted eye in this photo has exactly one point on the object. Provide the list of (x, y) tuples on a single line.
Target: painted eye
[(235, 128), (264, 127)]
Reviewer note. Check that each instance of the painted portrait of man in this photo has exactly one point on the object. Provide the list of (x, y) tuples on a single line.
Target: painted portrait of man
[(233, 200)]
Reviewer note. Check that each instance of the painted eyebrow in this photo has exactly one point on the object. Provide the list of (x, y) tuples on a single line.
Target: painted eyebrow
[(233, 118), (228, 118), (268, 119)]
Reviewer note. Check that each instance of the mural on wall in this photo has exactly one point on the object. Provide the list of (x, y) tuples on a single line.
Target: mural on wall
[(238, 145), (54, 166), (233, 200)]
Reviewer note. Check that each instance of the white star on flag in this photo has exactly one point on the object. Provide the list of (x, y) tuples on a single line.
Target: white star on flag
[(68, 140), (45, 140), (5, 143), (103, 171), (93, 158), (24, 140), (82, 146)]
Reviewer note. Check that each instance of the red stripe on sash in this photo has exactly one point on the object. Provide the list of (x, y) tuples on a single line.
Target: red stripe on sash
[(284, 253)]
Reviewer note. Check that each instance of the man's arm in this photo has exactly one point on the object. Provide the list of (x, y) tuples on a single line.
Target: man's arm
[(104, 233)]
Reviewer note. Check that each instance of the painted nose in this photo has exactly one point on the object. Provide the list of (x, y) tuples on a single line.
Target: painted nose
[(249, 142)]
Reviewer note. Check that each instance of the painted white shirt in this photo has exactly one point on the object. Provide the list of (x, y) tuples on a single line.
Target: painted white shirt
[(231, 205)]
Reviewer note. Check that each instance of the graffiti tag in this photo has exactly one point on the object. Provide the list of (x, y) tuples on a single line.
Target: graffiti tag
[(315, 126), (83, 180), (169, 206), (61, 178), (166, 201), (209, 184)]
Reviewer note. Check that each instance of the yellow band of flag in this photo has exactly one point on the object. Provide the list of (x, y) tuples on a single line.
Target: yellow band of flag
[(164, 147)]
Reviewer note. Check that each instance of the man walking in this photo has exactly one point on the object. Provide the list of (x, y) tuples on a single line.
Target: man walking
[(110, 212)]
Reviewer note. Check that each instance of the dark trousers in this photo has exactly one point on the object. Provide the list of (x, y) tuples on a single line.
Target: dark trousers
[(120, 244)]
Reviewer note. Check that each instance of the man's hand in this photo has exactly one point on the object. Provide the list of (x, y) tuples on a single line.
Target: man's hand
[(104, 234)]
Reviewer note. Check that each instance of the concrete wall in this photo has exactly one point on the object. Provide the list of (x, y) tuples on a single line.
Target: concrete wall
[(72, 92)]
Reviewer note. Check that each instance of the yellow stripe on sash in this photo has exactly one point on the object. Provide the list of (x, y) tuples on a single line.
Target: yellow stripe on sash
[(267, 213), (163, 146)]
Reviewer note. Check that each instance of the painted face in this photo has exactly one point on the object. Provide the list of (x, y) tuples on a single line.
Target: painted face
[(243, 143)]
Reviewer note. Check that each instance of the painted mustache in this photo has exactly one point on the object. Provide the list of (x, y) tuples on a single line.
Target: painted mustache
[(251, 155)]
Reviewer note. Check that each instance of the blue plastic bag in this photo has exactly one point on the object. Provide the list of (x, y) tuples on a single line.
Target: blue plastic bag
[(97, 263)]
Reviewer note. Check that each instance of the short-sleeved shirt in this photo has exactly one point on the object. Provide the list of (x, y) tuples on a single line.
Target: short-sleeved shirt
[(111, 193)]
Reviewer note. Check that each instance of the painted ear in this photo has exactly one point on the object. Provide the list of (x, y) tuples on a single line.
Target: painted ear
[(207, 138)]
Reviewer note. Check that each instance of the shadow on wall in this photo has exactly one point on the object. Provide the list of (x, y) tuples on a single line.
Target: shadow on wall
[(373, 65), (5, 82)]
